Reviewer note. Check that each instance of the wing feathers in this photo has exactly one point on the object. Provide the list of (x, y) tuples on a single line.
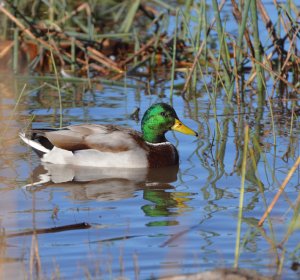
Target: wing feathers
[(105, 138), (67, 139)]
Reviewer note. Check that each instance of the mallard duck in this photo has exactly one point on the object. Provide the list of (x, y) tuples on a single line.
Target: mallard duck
[(112, 145)]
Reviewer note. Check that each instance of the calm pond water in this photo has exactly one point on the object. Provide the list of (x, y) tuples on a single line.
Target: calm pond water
[(147, 225)]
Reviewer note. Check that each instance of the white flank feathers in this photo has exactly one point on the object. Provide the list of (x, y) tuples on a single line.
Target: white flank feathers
[(33, 144), (135, 158)]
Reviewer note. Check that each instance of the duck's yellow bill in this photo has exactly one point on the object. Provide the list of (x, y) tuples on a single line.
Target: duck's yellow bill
[(180, 127)]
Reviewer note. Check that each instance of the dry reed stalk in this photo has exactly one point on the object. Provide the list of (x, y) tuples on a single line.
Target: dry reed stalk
[(281, 189), (101, 58), (85, 66), (268, 23), (267, 68), (289, 53), (137, 53), (6, 49), (23, 28), (35, 260), (238, 15), (96, 55)]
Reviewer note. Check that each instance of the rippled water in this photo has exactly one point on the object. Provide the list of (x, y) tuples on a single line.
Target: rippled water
[(146, 225)]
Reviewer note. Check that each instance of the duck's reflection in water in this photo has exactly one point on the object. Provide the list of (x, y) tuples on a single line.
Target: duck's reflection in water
[(101, 184), (161, 199)]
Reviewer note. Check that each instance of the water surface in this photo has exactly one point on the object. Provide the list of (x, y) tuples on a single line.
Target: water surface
[(146, 225)]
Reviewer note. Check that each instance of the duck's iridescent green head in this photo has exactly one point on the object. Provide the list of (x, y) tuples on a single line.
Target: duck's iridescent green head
[(160, 118)]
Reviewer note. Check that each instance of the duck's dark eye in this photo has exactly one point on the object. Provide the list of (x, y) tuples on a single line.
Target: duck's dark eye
[(163, 114)]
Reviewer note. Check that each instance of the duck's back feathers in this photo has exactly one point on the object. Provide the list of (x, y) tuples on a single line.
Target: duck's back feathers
[(104, 138)]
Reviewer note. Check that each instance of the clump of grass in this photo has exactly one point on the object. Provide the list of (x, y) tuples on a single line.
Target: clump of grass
[(105, 42)]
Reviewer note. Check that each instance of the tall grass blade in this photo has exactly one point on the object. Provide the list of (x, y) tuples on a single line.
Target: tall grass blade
[(242, 191), (242, 28), (174, 57), (127, 23), (58, 90), (223, 50), (16, 51)]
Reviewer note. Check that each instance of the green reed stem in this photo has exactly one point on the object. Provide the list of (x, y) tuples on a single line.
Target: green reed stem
[(4, 24), (292, 118), (84, 36), (257, 50), (163, 4), (272, 121), (201, 27), (58, 90), (242, 191), (187, 17), (90, 26), (224, 50), (16, 51), (73, 54), (189, 35), (174, 57), (51, 11), (128, 21), (242, 28)]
